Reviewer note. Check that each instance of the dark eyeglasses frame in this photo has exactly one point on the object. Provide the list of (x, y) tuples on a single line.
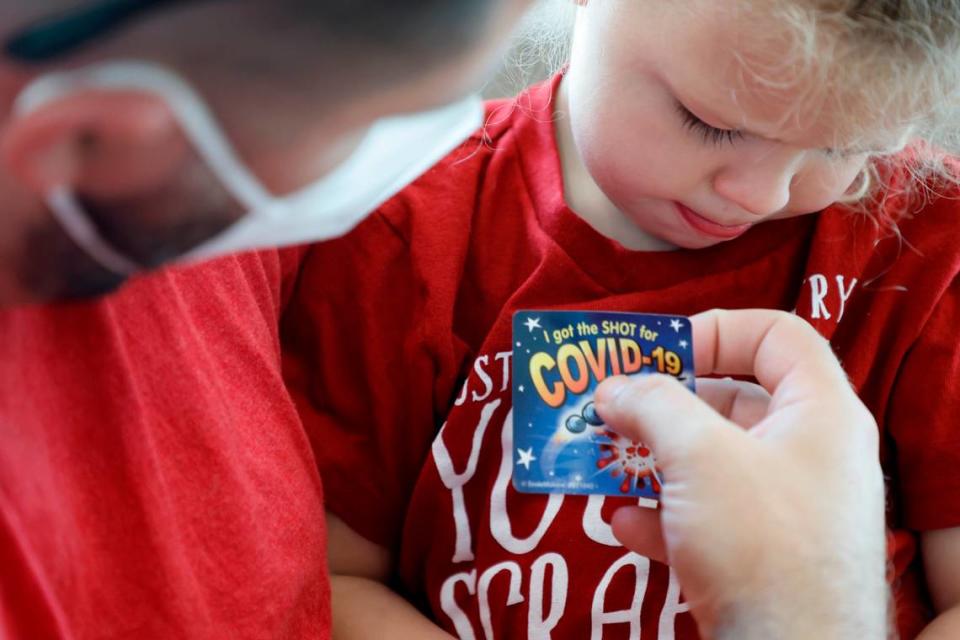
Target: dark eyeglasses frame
[(50, 38)]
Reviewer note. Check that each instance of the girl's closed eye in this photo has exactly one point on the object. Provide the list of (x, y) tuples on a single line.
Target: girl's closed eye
[(717, 136), (708, 133)]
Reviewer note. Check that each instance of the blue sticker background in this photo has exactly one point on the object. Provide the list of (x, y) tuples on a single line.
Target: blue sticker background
[(560, 444)]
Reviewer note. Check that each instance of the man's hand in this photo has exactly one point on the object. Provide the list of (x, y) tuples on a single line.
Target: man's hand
[(772, 512)]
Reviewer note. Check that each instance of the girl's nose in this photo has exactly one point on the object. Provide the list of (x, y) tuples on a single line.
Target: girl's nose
[(761, 188)]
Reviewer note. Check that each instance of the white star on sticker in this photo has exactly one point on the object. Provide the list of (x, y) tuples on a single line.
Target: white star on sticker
[(533, 323), (684, 344), (520, 389), (526, 457), (676, 325)]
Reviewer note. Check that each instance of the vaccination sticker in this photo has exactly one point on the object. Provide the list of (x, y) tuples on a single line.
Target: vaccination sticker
[(561, 444)]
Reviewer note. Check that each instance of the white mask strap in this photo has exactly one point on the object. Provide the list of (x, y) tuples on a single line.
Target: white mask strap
[(74, 221)]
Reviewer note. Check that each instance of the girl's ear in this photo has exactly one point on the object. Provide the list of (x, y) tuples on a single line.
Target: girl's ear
[(102, 143)]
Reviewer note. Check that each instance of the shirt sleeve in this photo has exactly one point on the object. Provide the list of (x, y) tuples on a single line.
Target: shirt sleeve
[(369, 358), (924, 421)]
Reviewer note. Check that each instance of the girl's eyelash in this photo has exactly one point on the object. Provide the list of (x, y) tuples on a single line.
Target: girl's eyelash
[(706, 132)]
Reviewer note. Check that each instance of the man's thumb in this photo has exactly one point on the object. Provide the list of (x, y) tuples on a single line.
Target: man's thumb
[(660, 412)]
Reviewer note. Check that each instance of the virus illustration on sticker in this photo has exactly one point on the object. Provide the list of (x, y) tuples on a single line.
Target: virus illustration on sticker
[(621, 456), (630, 459)]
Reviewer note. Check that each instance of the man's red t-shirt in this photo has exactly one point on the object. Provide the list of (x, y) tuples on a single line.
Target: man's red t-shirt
[(401, 370), (155, 479)]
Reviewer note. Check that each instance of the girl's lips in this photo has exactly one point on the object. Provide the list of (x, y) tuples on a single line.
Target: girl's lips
[(709, 227)]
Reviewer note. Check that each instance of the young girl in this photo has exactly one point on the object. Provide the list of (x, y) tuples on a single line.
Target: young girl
[(695, 155)]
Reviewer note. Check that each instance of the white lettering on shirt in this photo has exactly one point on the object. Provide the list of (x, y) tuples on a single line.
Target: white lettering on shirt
[(514, 596), (505, 356), (482, 374), (455, 481), (671, 609), (844, 295), (818, 292), (538, 626), (448, 602), (821, 299), (600, 617)]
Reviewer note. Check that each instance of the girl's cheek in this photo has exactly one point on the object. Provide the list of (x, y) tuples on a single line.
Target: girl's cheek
[(658, 164), (823, 187), (830, 180), (848, 178)]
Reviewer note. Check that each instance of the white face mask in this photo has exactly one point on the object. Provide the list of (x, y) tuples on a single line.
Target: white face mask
[(394, 153)]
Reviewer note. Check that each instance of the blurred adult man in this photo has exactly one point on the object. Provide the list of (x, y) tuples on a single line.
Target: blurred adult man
[(154, 477)]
